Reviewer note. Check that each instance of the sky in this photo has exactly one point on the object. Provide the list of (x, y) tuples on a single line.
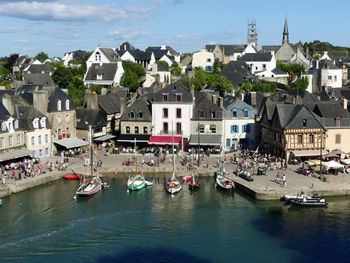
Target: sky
[(59, 26)]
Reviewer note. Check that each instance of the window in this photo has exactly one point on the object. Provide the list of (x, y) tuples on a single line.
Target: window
[(165, 128), (234, 129), (36, 123), (178, 97), (213, 128), (201, 113), (140, 114), (335, 78), (136, 129), (165, 113), (264, 66), (165, 97), (178, 113), (213, 114), (132, 115), (299, 139), (59, 105), (304, 122), (10, 141), (99, 76), (256, 68), (32, 140), (329, 77), (311, 138), (178, 128), (67, 118), (208, 59), (127, 129), (337, 138), (208, 68), (246, 128), (10, 125), (246, 113), (201, 128), (39, 139), (43, 122), (67, 105), (98, 56), (18, 139), (59, 119), (337, 121), (3, 126), (234, 113), (16, 124), (2, 143), (46, 151), (46, 138), (145, 129)]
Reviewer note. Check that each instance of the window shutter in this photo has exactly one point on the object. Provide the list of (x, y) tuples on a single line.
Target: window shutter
[(231, 128)]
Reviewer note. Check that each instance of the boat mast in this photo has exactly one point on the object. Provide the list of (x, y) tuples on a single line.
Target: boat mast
[(91, 152), (172, 142), (135, 155)]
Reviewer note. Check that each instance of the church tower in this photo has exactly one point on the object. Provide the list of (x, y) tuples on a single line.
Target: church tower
[(285, 33)]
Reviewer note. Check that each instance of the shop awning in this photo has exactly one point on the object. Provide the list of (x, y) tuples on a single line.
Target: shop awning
[(308, 153), (164, 140), (205, 140), (70, 143), (132, 137), (104, 138), (14, 154)]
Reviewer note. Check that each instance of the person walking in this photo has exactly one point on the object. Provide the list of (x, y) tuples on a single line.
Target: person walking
[(284, 180)]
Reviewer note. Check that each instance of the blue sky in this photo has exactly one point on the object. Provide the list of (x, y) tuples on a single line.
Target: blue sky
[(59, 26)]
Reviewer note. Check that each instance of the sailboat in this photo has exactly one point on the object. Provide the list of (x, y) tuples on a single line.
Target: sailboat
[(173, 186), (223, 179), (93, 185), (136, 182), (194, 183)]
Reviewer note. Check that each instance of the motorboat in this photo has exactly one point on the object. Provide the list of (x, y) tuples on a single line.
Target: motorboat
[(303, 201), (72, 176), (224, 180), (288, 198), (186, 178), (246, 176)]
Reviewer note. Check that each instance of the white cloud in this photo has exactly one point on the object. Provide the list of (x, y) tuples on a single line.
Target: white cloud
[(62, 11), (124, 33), (21, 41)]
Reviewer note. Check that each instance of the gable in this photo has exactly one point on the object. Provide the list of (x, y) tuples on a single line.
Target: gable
[(285, 52)]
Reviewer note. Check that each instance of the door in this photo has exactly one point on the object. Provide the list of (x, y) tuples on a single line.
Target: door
[(228, 144), (234, 144)]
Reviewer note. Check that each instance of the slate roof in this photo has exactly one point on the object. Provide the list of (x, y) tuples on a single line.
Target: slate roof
[(110, 54), (326, 64), (248, 57), (158, 54), (126, 46), (95, 117), (132, 112), (110, 103), (26, 116), (278, 71), (161, 68), (6, 91), (167, 48), (140, 55), (37, 79), (330, 111), (232, 102), (107, 70), (228, 50), (338, 55), (235, 71), (268, 49), (4, 114), (173, 89), (39, 68), (79, 55), (202, 102)]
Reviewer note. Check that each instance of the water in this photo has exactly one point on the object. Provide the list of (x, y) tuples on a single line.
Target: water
[(151, 226)]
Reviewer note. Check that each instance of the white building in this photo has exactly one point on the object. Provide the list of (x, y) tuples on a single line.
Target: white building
[(158, 73), (239, 124), (203, 59), (172, 109), (260, 61), (330, 74), (103, 55)]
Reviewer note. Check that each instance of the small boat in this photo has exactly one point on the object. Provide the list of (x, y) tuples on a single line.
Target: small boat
[(105, 185), (245, 176), (72, 176), (194, 184), (223, 181), (148, 183), (89, 187), (303, 201), (173, 186), (136, 182), (288, 198), (186, 178)]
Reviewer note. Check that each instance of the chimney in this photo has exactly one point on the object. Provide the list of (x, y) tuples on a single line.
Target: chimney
[(7, 102), (345, 103), (214, 99), (192, 90), (221, 102), (242, 97), (253, 98), (91, 100), (122, 105), (41, 100)]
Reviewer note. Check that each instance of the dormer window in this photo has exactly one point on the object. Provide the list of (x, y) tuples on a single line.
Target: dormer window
[(213, 114), (337, 121), (234, 113), (67, 105), (140, 114), (246, 113), (98, 56), (36, 123), (304, 122), (16, 124), (99, 76), (178, 97), (10, 123), (165, 97), (201, 113), (43, 122), (59, 108), (3, 126), (132, 115)]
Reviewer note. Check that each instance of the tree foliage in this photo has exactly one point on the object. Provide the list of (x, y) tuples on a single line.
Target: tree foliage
[(256, 85), (134, 67), (62, 76), (130, 79), (77, 91), (41, 56), (317, 47), (176, 71), (294, 70), (10, 61), (301, 84), (163, 63)]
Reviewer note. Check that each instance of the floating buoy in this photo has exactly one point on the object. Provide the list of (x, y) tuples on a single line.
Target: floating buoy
[(75, 197), (20, 204), (50, 182), (127, 190)]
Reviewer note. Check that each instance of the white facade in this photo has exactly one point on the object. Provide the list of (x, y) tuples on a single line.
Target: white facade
[(262, 65), (158, 119), (166, 59), (67, 58), (164, 76), (127, 56), (39, 141), (98, 57), (234, 137), (331, 78), (203, 59), (271, 74)]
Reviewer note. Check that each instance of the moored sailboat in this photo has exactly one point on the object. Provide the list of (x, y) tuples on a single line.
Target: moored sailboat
[(136, 182), (173, 186)]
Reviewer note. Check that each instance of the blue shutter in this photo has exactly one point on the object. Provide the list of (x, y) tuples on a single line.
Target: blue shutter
[(231, 128), (237, 129), (244, 128), (248, 128)]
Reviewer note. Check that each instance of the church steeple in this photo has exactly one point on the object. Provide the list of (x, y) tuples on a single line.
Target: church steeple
[(285, 32)]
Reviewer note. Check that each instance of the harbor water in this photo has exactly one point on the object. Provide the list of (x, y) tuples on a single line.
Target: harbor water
[(46, 224)]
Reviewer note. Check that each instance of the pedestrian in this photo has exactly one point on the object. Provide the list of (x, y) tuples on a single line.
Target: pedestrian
[(13, 174), (207, 164), (284, 180), (158, 162), (3, 179)]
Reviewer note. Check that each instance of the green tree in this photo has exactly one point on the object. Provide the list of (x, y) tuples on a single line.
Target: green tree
[(163, 63), (134, 67), (11, 61), (77, 91), (301, 84), (294, 70), (176, 71), (63, 77), (130, 79), (41, 56)]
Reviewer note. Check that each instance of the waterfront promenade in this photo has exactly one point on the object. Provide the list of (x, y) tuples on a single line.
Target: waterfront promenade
[(262, 188)]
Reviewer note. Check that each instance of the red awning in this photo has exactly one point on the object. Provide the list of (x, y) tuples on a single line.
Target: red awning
[(164, 140)]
